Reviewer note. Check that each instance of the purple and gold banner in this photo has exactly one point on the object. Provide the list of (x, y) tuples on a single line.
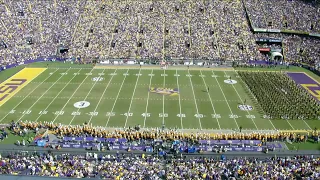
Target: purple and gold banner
[(307, 82)]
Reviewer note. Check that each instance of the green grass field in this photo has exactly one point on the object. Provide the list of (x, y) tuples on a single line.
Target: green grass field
[(121, 98)]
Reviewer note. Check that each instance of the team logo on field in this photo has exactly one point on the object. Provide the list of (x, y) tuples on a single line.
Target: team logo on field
[(244, 107), (81, 104), (230, 81), (97, 79), (165, 91)]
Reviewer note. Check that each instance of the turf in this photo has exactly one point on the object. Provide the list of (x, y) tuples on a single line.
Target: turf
[(122, 99)]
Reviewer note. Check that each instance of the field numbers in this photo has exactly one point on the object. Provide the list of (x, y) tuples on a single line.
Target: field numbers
[(100, 74), (43, 112), (181, 115), (12, 111), (202, 75), (128, 114), (266, 117), (138, 74), (233, 116), (150, 74), (126, 74), (189, 75), (216, 115), (111, 114), (163, 115), (93, 113), (251, 116), (76, 74), (226, 76), (199, 115), (59, 112), (113, 74), (164, 74), (75, 113), (215, 76), (26, 112), (177, 75), (145, 114), (63, 74), (88, 74)]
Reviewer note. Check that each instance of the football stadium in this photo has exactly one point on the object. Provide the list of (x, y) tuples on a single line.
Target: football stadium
[(144, 89)]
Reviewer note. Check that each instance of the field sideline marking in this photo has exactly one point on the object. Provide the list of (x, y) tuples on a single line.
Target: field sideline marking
[(115, 102), (164, 84), (179, 99), (242, 102), (210, 98), (71, 97), (226, 100), (145, 117), (134, 90), (255, 98), (28, 95), (194, 97), (43, 94), (56, 96), (74, 116), (101, 97)]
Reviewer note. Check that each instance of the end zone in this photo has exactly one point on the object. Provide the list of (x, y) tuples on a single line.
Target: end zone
[(18, 81)]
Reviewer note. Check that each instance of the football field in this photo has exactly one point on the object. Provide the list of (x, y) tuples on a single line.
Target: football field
[(177, 98)]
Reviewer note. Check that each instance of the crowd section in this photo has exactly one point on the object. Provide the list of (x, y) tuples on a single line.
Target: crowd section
[(215, 30), (284, 14), (129, 166)]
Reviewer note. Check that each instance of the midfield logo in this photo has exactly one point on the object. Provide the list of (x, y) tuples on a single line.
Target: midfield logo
[(165, 91)]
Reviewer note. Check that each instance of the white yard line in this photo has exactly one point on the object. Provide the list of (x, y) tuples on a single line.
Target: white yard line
[(115, 102), (195, 101), (164, 84), (179, 99), (225, 98), (145, 117), (214, 110), (57, 96), (135, 87), (242, 102), (254, 97), (105, 89), (74, 116), (72, 96), (42, 95), (29, 93)]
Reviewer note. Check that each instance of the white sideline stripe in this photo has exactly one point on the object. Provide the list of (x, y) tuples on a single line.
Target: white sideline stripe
[(101, 97), (56, 96), (85, 98), (195, 101), (115, 102), (242, 102), (135, 87), (28, 94), (214, 110), (164, 84), (254, 97), (179, 100), (145, 117), (71, 97), (225, 99), (43, 95)]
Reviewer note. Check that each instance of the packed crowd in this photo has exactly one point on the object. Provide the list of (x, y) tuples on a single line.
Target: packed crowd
[(131, 166), (133, 134)]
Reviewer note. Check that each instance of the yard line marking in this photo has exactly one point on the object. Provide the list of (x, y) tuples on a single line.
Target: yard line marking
[(135, 87), (74, 116), (225, 98), (29, 94), (253, 96), (145, 117), (164, 84), (242, 102), (179, 99), (57, 96), (71, 97), (43, 94), (214, 110), (114, 104), (195, 101), (101, 97)]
